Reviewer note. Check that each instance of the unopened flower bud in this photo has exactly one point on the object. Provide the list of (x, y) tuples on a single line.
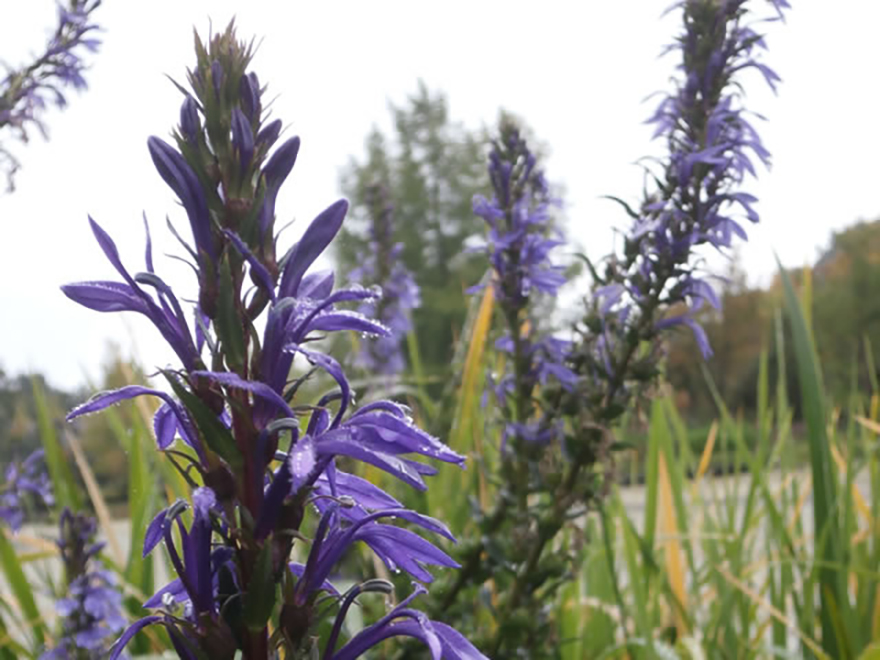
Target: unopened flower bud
[(189, 121), (270, 132), (249, 90), (242, 138), (217, 76)]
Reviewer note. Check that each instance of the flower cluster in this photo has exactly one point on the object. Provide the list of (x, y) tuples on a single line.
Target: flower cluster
[(520, 239), (614, 358), (711, 146), (91, 611), (260, 458), (383, 267), (26, 92), (25, 480)]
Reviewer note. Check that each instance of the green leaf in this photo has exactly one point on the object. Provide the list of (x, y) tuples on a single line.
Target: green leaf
[(260, 597), (65, 488), (626, 207), (216, 436), (9, 650), (832, 588), (658, 428), (872, 652)]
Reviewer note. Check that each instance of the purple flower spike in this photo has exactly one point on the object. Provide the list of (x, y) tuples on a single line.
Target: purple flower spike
[(265, 451), (521, 238), (383, 267), (27, 480), (91, 610), (711, 146), (27, 92)]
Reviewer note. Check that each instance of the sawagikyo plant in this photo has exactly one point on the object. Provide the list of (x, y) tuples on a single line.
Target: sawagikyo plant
[(260, 458)]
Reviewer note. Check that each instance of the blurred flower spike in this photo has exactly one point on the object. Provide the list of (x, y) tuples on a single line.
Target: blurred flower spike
[(25, 93)]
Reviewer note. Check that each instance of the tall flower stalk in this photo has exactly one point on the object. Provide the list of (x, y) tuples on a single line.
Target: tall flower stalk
[(26, 92), (654, 285), (91, 609), (260, 457), (521, 237), (383, 267)]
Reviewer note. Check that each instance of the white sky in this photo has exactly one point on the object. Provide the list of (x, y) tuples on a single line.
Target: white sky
[(577, 72)]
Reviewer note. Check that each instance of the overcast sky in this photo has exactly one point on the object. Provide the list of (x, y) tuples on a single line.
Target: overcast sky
[(577, 72)]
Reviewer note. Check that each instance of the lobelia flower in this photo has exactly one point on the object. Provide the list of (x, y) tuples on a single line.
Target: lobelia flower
[(615, 354), (441, 640), (260, 461), (91, 611), (711, 147), (25, 93), (22, 481), (384, 268), (521, 238)]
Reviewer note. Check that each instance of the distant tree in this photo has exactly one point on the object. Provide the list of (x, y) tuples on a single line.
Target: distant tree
[(19, 434), (844, 313), (738, 332), (431, 167), (846, 305)]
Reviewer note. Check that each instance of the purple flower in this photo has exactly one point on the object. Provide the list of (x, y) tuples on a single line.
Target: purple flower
[(196, 568), (382, 267), (129, 295), (264, 461), (275, 172), (521, 237), (399, 548), (26, 92), (91, 610), (443, 642), (712, 145), (22, 481), (180, 177)]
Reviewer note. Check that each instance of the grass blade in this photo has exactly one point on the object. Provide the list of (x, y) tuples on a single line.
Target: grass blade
[(22, 589), (825, 507), (65, 488), (94, 491)]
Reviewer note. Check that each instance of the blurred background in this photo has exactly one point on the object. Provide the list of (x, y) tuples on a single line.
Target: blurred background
[(419, 85)]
